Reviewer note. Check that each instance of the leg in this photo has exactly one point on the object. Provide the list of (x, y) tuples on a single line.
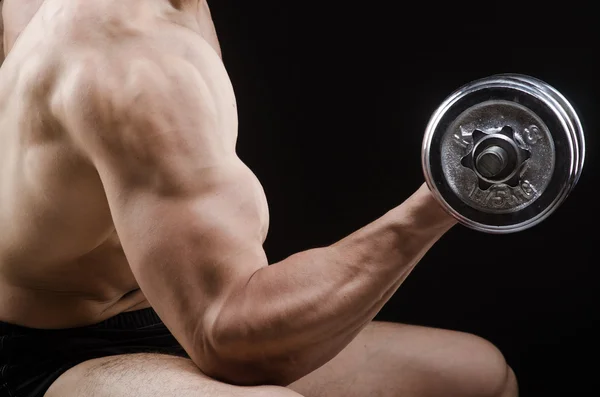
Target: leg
[(396, 360), (149, 375)]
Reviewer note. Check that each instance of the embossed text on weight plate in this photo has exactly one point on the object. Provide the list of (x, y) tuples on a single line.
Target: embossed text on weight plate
[(503, 196)]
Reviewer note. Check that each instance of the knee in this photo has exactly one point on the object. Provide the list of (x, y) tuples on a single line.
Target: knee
[(484, 371)]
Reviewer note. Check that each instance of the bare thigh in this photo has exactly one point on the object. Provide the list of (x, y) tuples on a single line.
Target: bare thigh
[(384, 360), (398, 360), (149, 375)]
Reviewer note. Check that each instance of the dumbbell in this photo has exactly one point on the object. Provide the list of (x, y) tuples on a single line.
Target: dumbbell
[(502, 153)]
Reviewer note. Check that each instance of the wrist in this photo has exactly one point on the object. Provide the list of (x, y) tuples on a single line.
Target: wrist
[(422, 214)]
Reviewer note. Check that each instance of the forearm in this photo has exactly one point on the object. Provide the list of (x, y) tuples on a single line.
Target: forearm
[(306, 308)]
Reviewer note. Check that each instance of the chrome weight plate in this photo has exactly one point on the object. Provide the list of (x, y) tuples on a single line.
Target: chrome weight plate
[(503, 153)]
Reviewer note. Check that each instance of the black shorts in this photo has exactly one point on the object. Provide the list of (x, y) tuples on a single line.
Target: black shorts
[(32, 359)]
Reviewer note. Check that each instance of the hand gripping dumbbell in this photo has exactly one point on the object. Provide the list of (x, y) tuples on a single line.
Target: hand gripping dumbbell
[(501, 154)]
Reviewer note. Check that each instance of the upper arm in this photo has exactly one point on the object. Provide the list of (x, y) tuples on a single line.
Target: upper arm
[(189, 213)]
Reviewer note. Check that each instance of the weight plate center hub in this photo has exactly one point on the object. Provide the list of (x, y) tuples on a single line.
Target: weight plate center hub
[(498, 156)]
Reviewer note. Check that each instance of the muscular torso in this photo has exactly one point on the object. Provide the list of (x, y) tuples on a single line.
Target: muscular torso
[(61, 262)]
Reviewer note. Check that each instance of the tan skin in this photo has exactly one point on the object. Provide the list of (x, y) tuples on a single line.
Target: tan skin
[(120, 189)]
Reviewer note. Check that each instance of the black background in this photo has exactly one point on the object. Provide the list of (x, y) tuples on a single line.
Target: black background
[(333, 101)]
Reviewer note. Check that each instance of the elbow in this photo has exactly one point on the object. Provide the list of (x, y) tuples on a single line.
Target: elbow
[(240, 346), (244, 362), (249, 373)]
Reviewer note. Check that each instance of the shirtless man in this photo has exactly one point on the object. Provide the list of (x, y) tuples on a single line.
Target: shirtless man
[(131, 259)]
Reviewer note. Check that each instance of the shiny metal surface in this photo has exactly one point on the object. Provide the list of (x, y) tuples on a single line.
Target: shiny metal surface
[(505, 200), (491, 117), (571, 118), (492, 161)]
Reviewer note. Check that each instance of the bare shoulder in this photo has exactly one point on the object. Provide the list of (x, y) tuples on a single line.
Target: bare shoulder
[(159, 82)]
